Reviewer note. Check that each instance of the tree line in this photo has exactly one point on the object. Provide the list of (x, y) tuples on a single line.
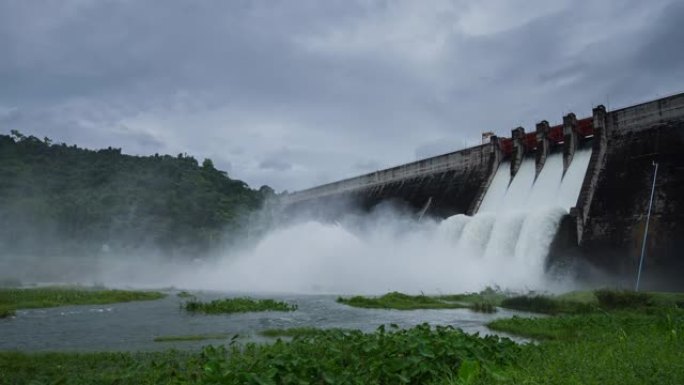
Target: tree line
[(57, 199)]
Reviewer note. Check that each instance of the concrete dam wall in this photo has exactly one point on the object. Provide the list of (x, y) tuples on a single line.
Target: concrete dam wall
[(610, 216), (604, 229), (448, 184)]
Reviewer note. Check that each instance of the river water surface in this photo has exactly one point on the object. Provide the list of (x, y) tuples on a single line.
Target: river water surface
[(133, 326)]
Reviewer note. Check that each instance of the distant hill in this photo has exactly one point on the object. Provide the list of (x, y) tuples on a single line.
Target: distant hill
[(64, 200)]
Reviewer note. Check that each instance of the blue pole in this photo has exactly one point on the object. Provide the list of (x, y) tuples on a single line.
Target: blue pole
[(648, 219)]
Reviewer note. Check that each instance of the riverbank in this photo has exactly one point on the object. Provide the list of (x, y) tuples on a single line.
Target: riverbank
[(617, 344)]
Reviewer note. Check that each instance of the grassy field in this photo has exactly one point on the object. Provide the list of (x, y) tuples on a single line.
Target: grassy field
[(625, 338), (12, 299), (619, 347), (237, 305)]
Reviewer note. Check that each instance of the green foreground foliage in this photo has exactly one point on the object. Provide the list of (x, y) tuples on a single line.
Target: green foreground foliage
[(30, 298), (237, 305), (420, 355)]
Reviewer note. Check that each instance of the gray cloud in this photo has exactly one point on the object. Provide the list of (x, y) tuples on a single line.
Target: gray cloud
[(292, 94), (275, 164)]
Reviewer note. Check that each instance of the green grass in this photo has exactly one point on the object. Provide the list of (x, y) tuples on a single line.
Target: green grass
[(400, 301), (617, 347), (12, 299), (195, 337), (237, 305)]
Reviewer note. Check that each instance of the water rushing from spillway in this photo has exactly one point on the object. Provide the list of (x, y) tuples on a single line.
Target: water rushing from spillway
[(518, 218), (505, 245)]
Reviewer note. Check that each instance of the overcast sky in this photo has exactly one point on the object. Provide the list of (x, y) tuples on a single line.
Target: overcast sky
[(298, 93)]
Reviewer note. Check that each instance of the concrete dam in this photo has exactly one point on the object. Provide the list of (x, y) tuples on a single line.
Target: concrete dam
[(573, 195)]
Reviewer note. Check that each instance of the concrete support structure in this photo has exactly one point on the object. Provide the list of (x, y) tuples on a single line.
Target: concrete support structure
[(517, 134), (569, 139), (598, 156), (543, 145), (494, 162)]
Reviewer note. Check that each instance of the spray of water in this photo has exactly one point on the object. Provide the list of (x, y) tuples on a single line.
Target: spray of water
[(504, 245)]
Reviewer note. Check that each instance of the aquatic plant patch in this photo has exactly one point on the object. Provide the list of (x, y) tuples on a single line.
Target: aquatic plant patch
[(400, 301), (237, 305), (42, 297)]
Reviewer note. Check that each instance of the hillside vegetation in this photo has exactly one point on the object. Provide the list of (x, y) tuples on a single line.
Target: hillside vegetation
[(57, 199)]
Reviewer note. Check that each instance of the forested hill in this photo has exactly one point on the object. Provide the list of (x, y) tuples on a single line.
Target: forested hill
[(57, 200)]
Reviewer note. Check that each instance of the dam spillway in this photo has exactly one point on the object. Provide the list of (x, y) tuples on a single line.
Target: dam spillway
[(602, 167), (519, 217)]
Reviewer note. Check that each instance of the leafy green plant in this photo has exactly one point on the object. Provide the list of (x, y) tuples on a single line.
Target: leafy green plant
[(420, 355)]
